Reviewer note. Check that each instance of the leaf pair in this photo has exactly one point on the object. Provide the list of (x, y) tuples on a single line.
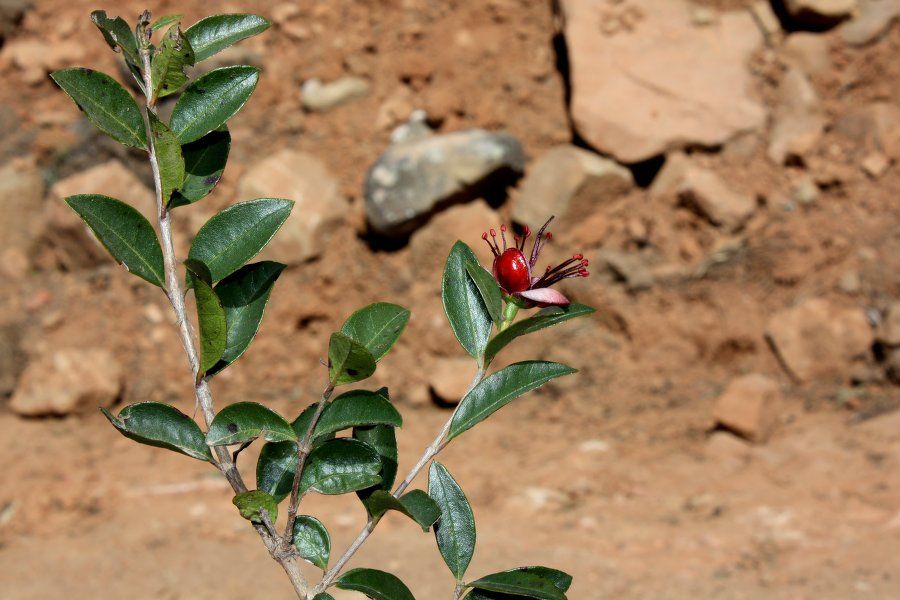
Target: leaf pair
[(366, 336)]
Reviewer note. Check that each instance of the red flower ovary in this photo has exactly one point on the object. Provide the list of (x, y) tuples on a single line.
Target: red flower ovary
[(511, 271)]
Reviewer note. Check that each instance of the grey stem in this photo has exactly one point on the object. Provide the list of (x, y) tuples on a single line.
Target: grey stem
[(436, 446), (202, 394)]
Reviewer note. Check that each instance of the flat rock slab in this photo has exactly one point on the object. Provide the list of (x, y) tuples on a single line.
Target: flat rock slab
[(646, 79)]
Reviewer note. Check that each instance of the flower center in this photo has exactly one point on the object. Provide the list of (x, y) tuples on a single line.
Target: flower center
[(511, 271)]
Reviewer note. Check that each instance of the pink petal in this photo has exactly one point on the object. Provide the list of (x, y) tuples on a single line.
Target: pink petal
[(545, 297)]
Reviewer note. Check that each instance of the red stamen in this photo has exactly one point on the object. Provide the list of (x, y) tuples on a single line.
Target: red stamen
[(503, 235), (578, 256), (585, 262)]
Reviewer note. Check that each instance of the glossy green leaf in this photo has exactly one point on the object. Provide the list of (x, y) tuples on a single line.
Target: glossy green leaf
[(252, 503), (312, 541), (489, 290), (204, 163), (168, 157), (323, 596), (246, 421), (469, 317), (384, 439), (558, 578), (276, 467), (455, 532), (341, 466), (118, 34), (546, 317), (357, 408), (165, 20), (211, 100), (169, 62), (122, 230), (500, 389), (105, 103), (348, 360), (213, 327), (163, 426), (416, 505), (235, 235), (244, 295), (520, 582), (375, 584), (213, 34), (377, 327)]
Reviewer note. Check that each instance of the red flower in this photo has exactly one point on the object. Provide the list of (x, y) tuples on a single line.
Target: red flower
[(514, 272)]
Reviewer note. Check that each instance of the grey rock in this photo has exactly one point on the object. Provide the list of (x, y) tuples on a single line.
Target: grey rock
[(412, 179), (873, 20), (320, 97)]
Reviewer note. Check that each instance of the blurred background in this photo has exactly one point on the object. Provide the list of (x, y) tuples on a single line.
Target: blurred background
[(730, 169)]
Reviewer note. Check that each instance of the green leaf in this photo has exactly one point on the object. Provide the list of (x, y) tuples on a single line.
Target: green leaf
[(118, 34), (275, 469), (246, 421), (251, 504), (384, 439), (235, 235), (520, 582), (323, 596), (165, 20), (375, 584), (169, 61), (455, 532), (357, 408), (546, 317), (469, 317), (312, 541), (500, 389), (163, 426), (211, 100), (341, 466), (122, 230), (561, 580), (213, 328), (204, 163), (416, 505), (489, 290), (244, 295), (348, 360), (213, 34), (168, 156), (105, 103), (377, 327)]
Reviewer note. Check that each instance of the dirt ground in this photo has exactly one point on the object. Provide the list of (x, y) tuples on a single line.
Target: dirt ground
[(615, 475)]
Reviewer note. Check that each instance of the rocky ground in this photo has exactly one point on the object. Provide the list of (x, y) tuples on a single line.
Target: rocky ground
[(730, 168)]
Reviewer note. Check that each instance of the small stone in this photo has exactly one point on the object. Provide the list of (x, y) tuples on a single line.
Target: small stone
[(321, 97), (849, 283), (411, 179), (711, 197), (873, 127), (808, 52), (749, 407), (820, 12), (449, 379), (819, 339), (875, 164), (889, 328), (799, 121), (873, 19), (594, 447), (395, 109), (570, 183), (68, 381), (804, 191), (319, 207), (629, 267)]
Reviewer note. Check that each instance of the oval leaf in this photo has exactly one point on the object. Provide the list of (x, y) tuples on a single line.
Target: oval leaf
[(211, 319), (312, 541), (235, 235), (105, 103), (357, 408), (246, 421), (348, 360), (375, 584), (469, 317), (545, 317), (275, 469), (252, 503), (520, 582), (500, 389), (244, 295), (168, 157), (384, 439), (341, 466), (215, 33), (377, 327), (211, 100), (169, 61), (163, 426), (204, 163), (455, 532), (416, 505), (122, 230), (489, 290)]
